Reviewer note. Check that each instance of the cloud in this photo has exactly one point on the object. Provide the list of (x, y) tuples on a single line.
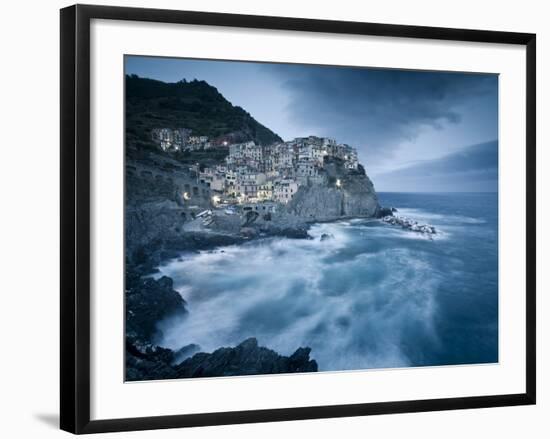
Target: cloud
[(393, 117), (377, 109), (473, 169)]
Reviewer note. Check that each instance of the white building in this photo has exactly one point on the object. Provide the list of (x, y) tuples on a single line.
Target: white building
[(266, 191), (170, 140), (213, 178), (284, 190), (231, 183), (258, 173), (307, 170), (196, 143)]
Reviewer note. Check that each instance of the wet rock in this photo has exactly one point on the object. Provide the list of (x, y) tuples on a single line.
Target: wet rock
[(248, 232), (185, 352), (147, 302), (147, 362), (410, 224), (294, 233), (245, 359), (385, 211)]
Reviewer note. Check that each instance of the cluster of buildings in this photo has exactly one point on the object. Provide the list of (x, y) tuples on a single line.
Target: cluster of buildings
[(180, 139), (254, 173)]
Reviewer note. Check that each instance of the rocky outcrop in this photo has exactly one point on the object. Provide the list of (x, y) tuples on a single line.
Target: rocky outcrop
[(386, 211), (346, 193), (245, 359), (153, 362), (152, 223), (148, 301), (148, 362), (409, 224)]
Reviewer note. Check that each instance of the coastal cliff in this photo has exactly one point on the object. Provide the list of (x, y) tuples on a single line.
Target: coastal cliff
[(184, 196), (346, 193)]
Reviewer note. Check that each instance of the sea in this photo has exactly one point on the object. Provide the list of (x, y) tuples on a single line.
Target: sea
[(367, 295)]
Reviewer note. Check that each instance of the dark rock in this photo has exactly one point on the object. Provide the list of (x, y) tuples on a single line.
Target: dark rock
[(299, 361), (147, 302), (385, 211), (248, 232), (147, 362), (294, 233), (409, 224), (245, 359), (250, 217), (326, 236), (185, 352)]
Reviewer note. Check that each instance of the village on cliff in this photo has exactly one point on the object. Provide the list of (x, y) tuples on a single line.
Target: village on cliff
[(256, 173)]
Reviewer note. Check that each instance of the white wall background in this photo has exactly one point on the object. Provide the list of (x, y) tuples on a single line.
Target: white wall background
[(29, 249)]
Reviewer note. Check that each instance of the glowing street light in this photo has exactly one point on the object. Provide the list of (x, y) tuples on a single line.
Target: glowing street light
[(338, 183), (186, 196), (215, 199)]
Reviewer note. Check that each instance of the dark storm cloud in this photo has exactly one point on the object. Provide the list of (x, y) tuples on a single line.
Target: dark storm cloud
[(392, 117), (380, 108), (473, 169)]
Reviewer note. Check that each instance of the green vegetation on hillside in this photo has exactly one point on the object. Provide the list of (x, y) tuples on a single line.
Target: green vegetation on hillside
[(195, 105)]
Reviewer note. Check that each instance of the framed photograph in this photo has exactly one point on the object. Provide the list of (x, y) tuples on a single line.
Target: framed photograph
[(268, 219)]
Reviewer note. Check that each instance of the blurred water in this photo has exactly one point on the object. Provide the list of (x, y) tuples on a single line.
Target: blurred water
[(372, 296)]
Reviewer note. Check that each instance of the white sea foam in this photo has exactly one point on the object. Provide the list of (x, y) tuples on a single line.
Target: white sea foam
[(436, 218), (353, 306)]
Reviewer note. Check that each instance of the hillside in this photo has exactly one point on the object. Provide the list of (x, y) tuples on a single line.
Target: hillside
[(195, 105)]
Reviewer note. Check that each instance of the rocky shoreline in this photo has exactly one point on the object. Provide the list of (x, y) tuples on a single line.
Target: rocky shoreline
[(149, 301), (160, 224), (149, 362)]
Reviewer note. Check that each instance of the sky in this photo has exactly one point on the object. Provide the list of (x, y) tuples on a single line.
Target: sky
[(419, 131)]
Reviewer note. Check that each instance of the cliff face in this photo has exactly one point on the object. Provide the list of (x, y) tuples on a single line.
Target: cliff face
[(346, 193)]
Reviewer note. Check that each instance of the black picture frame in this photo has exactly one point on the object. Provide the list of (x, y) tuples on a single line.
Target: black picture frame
[(75, 217)]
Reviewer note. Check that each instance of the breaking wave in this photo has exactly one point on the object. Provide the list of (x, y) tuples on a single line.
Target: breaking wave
[(361, 294)]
